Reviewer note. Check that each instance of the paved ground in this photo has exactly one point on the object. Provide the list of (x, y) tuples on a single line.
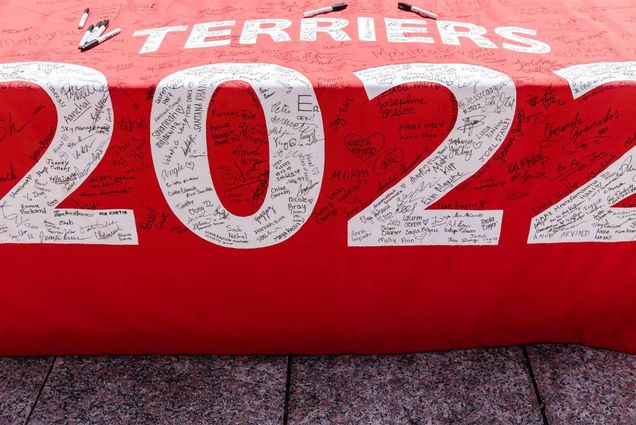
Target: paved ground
[(552, 384)]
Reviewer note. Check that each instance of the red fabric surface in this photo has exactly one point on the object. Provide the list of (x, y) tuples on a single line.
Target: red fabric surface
[(175, 292)]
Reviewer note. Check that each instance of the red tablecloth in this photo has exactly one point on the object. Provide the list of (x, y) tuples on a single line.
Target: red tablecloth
[(226, 177)]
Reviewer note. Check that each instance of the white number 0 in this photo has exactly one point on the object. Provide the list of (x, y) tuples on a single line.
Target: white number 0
[(296, 152)]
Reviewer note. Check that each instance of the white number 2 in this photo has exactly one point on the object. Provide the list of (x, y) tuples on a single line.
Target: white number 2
[(28, 211), (486, 105), (587, 215)]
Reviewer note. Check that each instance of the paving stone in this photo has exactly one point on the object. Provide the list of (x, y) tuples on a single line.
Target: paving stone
[(582, 386), (20, 380), (458, 387), (164, 390)]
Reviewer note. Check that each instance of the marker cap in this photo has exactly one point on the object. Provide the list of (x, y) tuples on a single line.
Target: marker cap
[(404, 6), (83, 19), (339, 6)]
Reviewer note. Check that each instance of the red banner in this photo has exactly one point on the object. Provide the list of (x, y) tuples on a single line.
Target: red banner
[(240, 179)]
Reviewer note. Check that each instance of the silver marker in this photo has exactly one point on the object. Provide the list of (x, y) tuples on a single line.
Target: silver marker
[(99, 40), (332, 8), (418, 10), (83, 19)]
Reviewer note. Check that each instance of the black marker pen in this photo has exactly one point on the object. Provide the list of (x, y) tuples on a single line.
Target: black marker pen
[(93, 33), (99, 40), (332, 8), (102, 27), (86, 34), (418, 10)]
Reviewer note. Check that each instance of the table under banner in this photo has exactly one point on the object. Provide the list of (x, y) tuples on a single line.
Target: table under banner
[(230, 177)]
